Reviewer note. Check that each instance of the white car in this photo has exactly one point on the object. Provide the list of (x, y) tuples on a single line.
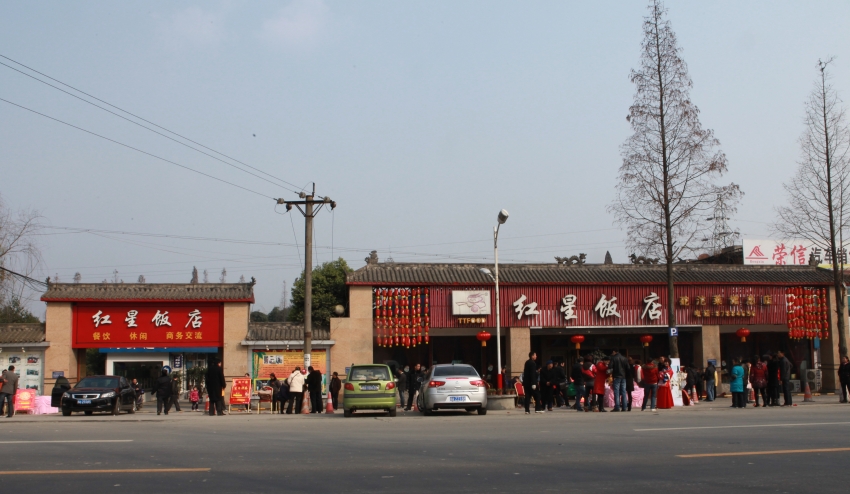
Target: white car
[(453, 387)]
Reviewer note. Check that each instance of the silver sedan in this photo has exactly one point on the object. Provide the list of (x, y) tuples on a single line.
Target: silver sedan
[(453, 387)]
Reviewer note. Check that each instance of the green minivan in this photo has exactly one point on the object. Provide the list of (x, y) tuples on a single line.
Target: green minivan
[(369, 387)]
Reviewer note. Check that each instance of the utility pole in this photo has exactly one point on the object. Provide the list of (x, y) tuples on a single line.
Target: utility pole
[(309, 212)]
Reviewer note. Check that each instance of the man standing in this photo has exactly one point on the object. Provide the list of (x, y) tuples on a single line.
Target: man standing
[(710, 373), (561, 384), (215, 388), (844, 377), (547, 384), (8, 391), (401, 376), (785, 377), (530, 385), (175, 395), (314, 386), (773, 379), (334, 388), (296, 390), (578, 383), (413, 384), (162, 390), (619, 368)]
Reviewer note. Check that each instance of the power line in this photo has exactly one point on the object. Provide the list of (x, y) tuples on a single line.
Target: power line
[(32, 283), (142, 119), (136, 149)]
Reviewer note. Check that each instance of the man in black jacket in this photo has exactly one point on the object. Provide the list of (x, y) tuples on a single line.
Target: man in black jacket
[(561, 384), (314, 387), (162, 389), (216, 384), (844, 377), (578, 383), (773, 379), (175, 395), (785, 376), (547, 384), (618, 368), (530, 384), (413, 383)]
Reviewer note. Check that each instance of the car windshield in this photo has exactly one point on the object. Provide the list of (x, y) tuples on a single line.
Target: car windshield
[(455, 370), (370, 374), (98, 382)]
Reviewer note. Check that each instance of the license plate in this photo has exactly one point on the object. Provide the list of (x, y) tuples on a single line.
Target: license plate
[(83, 402), (457, 398), (369, 387)]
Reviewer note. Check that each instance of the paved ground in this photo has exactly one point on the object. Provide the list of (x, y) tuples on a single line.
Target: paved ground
[(500, 452)]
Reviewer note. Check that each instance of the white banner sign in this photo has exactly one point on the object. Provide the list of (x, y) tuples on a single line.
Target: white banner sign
[(785, 253), (470, 302)]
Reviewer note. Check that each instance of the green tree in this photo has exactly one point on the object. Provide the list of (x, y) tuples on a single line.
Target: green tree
[(258, 316), (278, 315), (14, 311), (329, 290)]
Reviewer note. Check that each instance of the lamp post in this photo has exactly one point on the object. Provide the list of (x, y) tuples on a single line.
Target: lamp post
[(502, 218)]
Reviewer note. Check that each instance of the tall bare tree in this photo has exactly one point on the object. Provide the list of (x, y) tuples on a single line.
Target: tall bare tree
[(819, 193), (666, 181), (19, 251)]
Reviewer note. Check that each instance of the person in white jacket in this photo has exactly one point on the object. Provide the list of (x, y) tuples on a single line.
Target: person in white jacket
[(296, 390)]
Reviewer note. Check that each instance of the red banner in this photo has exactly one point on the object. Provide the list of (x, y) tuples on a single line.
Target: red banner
[(24, 400), (140, 325), (240, 392)]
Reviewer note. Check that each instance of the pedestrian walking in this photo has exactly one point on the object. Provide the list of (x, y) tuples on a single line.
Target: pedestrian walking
[(691, 382), (414, 381), (630, 381), (649, 380), (215, 387), (175, 395), (710, 376), (530, 377), (334, 388), (562, 396), (844, 378), (138, 393), (588, 370), (773, 383), (296, 391), (785, 368), (401, 377), (758, 380), (8, 390), (577, 377), (599, 383), (548, 385), (736, 384), (314, 387), (619, 372), (162, 390), (194, 398), (274, 383)]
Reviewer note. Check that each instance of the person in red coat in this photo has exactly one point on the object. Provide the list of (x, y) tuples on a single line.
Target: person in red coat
[(665, 394), (599, 383), (758, 379)]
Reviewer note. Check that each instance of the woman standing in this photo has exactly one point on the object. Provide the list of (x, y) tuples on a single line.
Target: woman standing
[(736, 384), (599, 383), (758, 380), (274, 383), (588, 370), (649, 380), (665, 394)]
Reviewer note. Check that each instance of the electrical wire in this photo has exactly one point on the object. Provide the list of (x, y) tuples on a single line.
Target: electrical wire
[(30, 282), (295, 236), (140, 118), (137, 149)]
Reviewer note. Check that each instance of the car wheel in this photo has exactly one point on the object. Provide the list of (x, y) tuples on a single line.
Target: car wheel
[(482, 411), (392, 412), (88, 412), (66, 412), (346, 412), (116, 408), (132, 409)]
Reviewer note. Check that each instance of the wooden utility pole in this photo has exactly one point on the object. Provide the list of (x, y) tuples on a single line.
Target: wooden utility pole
[(309, 213)]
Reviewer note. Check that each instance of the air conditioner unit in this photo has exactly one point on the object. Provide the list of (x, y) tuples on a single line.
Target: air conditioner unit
[(814, 377)]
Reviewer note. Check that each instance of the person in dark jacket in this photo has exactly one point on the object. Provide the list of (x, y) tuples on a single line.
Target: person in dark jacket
[(530, 377), (710, 381), (162, 390), (175, 395), (334, 388), (618, 367), (401, 376), (577, 377), (630, 381), (561, 384), (274, 383), (314, 387), (215, 387), (414, 381), (547, 384), (773, 380), (844, 377), (785, 368)]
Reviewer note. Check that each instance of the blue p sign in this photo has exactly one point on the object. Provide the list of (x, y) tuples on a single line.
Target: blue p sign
[(674, 331)]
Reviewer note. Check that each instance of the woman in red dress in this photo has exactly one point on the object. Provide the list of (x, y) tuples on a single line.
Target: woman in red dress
[(665, 395), (599, 383)]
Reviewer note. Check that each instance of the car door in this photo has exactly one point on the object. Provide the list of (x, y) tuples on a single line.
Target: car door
[(125, 393)]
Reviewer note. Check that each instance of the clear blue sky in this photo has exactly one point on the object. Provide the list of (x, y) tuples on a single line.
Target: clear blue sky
[(421, 119)]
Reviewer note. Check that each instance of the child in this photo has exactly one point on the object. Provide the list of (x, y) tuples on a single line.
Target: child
[(194, 397)]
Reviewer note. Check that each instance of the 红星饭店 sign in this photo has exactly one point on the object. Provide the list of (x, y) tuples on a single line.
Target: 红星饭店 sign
[(131, 325)]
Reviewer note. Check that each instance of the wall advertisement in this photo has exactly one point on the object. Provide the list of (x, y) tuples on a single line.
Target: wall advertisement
[(28, 367), (282, 363)]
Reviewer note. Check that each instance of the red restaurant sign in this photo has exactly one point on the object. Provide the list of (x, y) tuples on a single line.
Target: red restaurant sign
[(240, 392), (146, 324)]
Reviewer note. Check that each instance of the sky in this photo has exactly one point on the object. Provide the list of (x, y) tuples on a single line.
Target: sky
[(420, 119)]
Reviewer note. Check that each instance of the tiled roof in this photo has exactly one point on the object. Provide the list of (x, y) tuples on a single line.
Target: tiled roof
[(282, 331), (21, 333), (211, 292), (468, 274)]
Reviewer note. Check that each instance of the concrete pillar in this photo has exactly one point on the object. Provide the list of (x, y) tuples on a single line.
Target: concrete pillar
[(707, 345), (518, 348), (234, 354), (59, 356), (830, 359), (353, 335)]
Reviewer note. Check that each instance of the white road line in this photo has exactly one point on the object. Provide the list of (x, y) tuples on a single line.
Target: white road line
[(802, 424), (71, 441)]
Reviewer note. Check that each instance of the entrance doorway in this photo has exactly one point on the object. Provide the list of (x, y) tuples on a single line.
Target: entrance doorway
[(145, 372)]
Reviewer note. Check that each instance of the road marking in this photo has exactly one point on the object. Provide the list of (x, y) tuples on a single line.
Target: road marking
[(71, 441), (742, 426), (125, 470), (778, 452)]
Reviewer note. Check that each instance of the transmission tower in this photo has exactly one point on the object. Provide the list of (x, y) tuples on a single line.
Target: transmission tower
[(722, 234)]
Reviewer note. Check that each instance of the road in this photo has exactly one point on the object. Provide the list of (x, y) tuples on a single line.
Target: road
[(500, 452)]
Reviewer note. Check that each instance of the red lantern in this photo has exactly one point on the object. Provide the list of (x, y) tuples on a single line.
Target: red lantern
[(743, 333), (577, 339), (645, 339), (483, 337)]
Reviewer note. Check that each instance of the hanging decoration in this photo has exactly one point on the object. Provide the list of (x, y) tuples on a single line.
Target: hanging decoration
[(808, 316), (743, 333), (646, 339), (483, 337), (401, 316)]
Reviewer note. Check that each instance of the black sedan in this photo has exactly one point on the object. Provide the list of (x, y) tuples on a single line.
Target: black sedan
[(99, 394)]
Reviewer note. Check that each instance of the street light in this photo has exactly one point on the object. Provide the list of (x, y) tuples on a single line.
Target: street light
[(502, 218)]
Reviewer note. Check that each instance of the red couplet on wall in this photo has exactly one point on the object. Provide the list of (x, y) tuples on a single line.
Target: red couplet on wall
[(147, 324)]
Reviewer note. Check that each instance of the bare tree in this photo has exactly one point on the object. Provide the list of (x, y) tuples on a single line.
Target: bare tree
[(78, 277), (206, 276), (194, 275), (223, 277), (666, 188), (19, 251), (819, 193)]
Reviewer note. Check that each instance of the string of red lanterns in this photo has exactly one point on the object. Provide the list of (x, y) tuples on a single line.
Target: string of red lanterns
[(402, 316), (808, 316)]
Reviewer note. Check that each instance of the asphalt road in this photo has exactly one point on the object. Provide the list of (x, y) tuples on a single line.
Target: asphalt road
[(500, 452)]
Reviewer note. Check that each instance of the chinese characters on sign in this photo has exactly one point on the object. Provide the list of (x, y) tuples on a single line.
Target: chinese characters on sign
[(100, 319), (796, 252), (568, 307), (529, 310), (651, 307), (160, 319), (146, 325), (606, 308)]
